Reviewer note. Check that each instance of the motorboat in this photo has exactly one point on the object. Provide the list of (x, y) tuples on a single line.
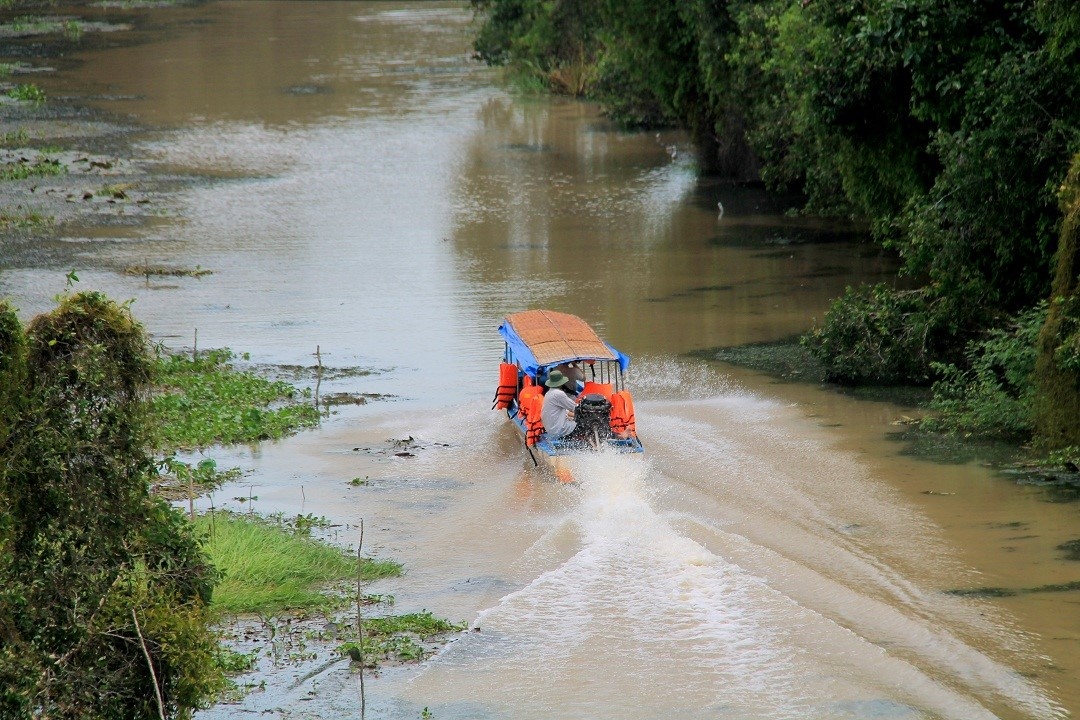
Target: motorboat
[(540, 342)]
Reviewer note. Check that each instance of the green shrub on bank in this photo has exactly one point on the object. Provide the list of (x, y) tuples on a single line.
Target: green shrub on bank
[(205, 400), (104, 590), (993, 394), (878, 335), (268, 567)]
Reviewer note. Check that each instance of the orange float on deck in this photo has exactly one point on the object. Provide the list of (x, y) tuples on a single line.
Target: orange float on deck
[(508, 386), (531, 406), (622, 414), (596, 388)]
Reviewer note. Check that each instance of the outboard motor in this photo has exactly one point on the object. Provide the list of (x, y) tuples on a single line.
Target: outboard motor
[(593, 417)]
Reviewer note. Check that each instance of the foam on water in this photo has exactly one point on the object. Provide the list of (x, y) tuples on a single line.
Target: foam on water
[(661, 587)]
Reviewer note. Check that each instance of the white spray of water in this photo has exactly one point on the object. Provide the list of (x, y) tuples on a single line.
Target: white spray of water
[(639, 620)]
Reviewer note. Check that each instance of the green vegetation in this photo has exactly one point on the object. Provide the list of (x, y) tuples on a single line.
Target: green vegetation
[(72, 30), (269, 567), (205, 400), (24, 220), (28, 93), (15, 138), (874, 335), (179, 480), (992, 393), (104, 590), (397, 637), (157, 270), (42, 167), (948, 126), (38, 25)]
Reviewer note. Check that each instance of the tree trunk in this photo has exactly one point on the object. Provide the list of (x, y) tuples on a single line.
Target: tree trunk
[(1057, 377)]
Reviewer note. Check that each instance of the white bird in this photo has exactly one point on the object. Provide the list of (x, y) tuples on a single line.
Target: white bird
[(720, 205)]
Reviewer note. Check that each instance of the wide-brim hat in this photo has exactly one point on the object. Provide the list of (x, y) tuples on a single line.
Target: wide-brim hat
[(556, 379)]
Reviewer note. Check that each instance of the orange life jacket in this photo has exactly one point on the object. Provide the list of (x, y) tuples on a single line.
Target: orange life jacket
[(622, 413), (508, 386), (531, 406)]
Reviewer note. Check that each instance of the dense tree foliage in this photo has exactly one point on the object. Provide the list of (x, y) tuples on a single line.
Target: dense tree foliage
[(1057, 375), (948, 125), (103, 589)]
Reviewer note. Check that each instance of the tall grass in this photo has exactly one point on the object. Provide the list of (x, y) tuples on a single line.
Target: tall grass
[(269, 568)]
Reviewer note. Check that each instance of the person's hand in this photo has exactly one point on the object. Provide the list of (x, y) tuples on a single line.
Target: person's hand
[(570, 414)]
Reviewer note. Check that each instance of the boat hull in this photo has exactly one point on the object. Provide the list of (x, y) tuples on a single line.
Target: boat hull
[(555, 452)]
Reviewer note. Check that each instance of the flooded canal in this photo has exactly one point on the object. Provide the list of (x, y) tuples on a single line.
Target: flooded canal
[(375, 193)]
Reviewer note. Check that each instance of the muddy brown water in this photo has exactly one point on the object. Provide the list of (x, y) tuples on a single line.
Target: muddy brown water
[(379, 196)]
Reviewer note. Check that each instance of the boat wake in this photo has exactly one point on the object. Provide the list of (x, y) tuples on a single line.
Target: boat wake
[(746, 572)]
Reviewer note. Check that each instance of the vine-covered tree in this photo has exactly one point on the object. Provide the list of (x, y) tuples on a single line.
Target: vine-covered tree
[(103, 588)]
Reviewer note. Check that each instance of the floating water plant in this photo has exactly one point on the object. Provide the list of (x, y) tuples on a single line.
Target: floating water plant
[(205, 400), (28, 93)]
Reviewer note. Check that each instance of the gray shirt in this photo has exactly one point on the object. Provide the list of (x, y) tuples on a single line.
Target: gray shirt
[(556, 404)]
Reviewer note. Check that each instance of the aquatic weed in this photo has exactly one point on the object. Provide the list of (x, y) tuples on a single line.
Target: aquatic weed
[(28, 93), (205, 400), (397, 637), (22, 170)]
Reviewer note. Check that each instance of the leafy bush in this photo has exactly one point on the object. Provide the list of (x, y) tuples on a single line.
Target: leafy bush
[(878, 335), (103, 589), (992, 394)]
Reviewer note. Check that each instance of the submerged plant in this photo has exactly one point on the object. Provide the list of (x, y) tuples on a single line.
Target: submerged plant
[(21, 170), (24, 220), (15, 138)]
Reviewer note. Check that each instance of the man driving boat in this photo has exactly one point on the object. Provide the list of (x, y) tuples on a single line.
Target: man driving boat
[(558, 410)]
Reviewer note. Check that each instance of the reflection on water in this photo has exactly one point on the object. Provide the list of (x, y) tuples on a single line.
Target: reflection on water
[(379, 196)]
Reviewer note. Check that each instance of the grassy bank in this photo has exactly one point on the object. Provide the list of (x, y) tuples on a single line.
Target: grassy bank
[(272, 566)]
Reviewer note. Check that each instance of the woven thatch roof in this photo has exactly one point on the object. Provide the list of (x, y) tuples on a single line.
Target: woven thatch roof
[(555, 336)]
